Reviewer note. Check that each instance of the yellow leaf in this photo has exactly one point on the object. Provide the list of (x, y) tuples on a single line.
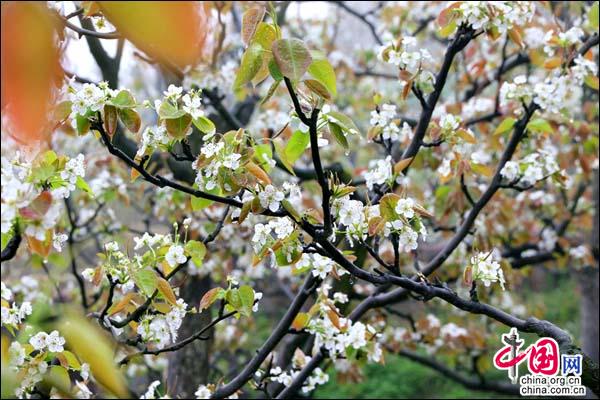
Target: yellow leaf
[(258, 172), (300, 321), (165, 289), (402, 164), (91, 345), (552, 63)]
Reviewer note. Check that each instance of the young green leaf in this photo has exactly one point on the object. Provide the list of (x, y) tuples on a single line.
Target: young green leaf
[(296, 146), (322, 71), (249, 66), (505, 126)]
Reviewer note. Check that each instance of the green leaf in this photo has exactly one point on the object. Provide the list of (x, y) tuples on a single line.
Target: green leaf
[(249, 66), (72, 360), (179, 127), (83, 124), (58, 377), (593, 15), (123, 99), (322, 71), (280, 151), (83, 185), (274, 70), (540, 125), (387, 206), (505, 126), (338, 134), (145, 279), (130, 118), (196, 250), (447, 30), (343, 121), (168, 111), (296, 146), (292, 57), (271, 91), (265, 35), (205, 125), (199, 203), (262, 151), (591, 80), (247, 299), (233, 298)]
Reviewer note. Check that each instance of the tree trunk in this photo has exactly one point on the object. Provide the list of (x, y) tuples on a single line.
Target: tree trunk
[(588, 282), (188, 367)]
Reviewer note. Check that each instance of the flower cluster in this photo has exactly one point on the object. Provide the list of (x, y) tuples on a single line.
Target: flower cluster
[(53, 341), (277, 230), (215, 157), (405, 55), (31, 191), (321, 266), (384, 121), (90, 97), (379, 173), (486, 268), (270, 197), (318, 376), (153, 138), (13, 315), (407, 225), (162, 329), (498, 16), (354, 216), (534, 167), (518, 90)]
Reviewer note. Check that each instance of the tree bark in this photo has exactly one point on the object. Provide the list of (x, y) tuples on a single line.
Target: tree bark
[(189, 366), (588, 283)]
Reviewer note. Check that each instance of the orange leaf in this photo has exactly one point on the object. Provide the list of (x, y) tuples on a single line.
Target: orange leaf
[(552, 63), (31, 70), (169, 31)]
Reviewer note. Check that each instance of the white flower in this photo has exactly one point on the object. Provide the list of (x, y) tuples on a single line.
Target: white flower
[(578, 252), (175, 255), (39, 341), (111, 247), (16, 354), (6, 292), (88, 274), (449, 122), (83, 392), (404, 207), (510, 171), (572, 36), (270, 198), (58, 240), (151, 391), (232, 161), (203, 392), (487, 269), (192, 104), (379, 173), (173, 92), (55, 342)]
